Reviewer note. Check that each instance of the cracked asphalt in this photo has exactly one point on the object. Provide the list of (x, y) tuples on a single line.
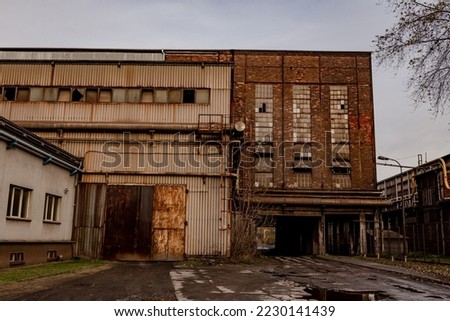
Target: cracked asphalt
[(280, 278)]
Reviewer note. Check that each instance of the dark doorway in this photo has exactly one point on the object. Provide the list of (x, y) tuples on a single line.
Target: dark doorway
[(296, 236), (128, 222), (342, 235)]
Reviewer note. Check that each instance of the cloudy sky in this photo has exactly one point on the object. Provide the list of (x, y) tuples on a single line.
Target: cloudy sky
[(344, 25)]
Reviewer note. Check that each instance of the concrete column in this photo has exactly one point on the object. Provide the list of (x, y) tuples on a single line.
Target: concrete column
[(377, 233), (362, 233), (322, 234)]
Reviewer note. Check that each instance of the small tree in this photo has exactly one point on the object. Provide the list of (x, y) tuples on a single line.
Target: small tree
[(420, 39)]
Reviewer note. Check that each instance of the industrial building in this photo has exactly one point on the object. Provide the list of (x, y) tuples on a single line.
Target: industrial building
[(174, 142), (419, 218)]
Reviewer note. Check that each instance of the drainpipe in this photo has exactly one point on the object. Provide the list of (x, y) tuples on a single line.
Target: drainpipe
[(38, 152)]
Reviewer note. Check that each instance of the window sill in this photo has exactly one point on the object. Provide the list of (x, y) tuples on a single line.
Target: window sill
[(12, 218), (51, 222)]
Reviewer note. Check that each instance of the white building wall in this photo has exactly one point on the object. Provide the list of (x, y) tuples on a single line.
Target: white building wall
[(18, 167)]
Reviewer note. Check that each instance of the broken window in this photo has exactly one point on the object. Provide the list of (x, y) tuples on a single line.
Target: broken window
[(78, 94), (264, 113), (340, 137), (188, 96), (9, 93), (301, 114), (264, 166)]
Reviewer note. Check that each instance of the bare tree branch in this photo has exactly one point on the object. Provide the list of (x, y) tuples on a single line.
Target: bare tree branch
[(420, 39)]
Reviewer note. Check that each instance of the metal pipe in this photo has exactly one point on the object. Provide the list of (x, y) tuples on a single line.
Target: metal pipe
[(444, 171), (38, 152), (174, 127)]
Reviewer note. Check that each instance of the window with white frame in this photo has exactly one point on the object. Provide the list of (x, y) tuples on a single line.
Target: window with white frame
[(301, 112), (18, 202), (51, 210)]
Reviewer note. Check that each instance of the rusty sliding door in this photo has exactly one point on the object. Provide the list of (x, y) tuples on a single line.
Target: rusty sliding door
[(168, 223), (128, 222)]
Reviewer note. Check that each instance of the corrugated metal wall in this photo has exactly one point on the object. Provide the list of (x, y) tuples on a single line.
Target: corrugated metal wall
[(112, 75), (207, 212), (208, 217)]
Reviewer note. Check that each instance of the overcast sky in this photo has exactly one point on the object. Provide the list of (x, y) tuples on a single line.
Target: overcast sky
[(335, 25)]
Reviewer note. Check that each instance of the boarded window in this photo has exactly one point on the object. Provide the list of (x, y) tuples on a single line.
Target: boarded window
[(119, 95), (105, 95), (64, 94), (91, 95), (175, 96), (202, 96), (37, 94), (147, 96), (133, 95), (51, 94), (161, 96), (23, 94)]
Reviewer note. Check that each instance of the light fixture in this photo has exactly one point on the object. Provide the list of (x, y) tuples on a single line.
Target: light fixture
[(239, 126)]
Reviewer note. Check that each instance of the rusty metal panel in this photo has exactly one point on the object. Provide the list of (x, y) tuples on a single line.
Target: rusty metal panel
[(26, 74), (163, 76), (128, 219), (208, 213), (88, 220), (168, 223), (81, 55)]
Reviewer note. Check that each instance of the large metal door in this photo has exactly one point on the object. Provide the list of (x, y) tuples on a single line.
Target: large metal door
[(168, 223), (128, 223)]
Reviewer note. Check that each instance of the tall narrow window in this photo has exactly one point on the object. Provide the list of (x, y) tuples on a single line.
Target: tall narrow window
[(51, 210), (263, 170), (301, 112), (18, 202), (340, 145), (264, 113)]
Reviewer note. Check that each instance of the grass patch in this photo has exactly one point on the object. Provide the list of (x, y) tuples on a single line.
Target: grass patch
[(25, 273)]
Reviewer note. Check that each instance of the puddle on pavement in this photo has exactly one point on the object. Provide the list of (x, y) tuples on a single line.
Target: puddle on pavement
[(333, 295)]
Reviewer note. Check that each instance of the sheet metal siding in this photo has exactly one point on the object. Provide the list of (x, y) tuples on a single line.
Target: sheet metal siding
[(26, 74), (81, 55), (116, 113), (146, 153), (207, 211), (104, 75), (88, 227)]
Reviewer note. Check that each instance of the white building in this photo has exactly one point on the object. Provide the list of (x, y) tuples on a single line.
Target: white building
[(37, 195)]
